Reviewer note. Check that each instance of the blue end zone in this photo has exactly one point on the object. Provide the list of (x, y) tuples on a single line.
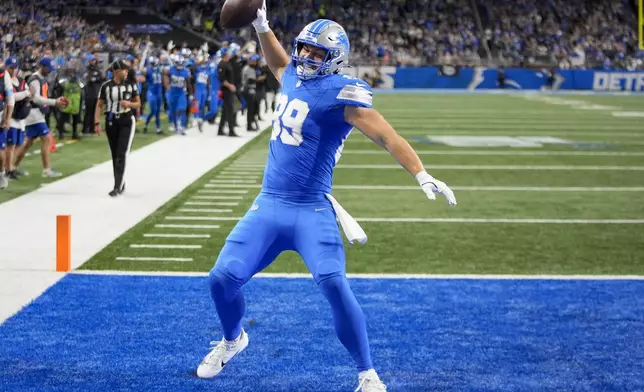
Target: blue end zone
[(117, 333)]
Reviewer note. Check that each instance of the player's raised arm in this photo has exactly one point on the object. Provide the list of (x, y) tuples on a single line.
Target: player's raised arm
[(375, 127), (276, 57)]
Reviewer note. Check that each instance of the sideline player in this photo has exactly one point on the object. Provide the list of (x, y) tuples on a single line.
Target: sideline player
[(316, 111), (154, 77), (202, 81), (18, 108), (36, 124), (176, 85)]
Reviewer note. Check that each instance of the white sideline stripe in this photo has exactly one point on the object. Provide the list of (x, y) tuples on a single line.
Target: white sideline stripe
[(150, 259), (162, 226), (223, 211), (248, 167), (164, 246), (233, 181), (210, 203), (447, 220), (499, 167), (265, 275), (167, 235), (218, 197), (235, 191), (510, 153)]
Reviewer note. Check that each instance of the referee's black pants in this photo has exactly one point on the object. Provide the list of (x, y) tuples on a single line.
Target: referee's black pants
[(120, 133), (228, 113), (251, 105)]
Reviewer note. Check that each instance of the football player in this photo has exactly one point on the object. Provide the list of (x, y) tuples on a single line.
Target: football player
[(176, 86), (317, 109), (154, 76)]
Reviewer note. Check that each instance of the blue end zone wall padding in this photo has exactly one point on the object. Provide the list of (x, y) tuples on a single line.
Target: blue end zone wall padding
[(517, 78), (137, 333)]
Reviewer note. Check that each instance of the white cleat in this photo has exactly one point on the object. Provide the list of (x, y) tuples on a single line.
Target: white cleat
[(220, 355), (369, 381), (4, 181), (51, 173)]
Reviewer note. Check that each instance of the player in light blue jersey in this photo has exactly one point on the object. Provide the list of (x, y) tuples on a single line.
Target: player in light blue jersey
[(177, 88), (202, 80), (154, 77), (317, 109)]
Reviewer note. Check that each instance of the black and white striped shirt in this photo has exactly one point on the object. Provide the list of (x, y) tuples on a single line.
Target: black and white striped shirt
[(112, 93)]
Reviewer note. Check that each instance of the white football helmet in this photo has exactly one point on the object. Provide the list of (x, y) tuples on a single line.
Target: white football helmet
[(325, 34)]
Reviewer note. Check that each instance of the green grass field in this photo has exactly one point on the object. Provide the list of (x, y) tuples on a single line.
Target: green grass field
[(555, 182), (72, 157)]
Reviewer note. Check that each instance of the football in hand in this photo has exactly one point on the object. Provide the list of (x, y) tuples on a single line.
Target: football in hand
[(236, 14)]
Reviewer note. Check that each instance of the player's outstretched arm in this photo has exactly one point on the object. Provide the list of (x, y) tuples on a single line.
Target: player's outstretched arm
[(276, 57), (375, 127)]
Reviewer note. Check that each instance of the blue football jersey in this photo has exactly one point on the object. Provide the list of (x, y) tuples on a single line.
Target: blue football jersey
[(202, 77), (178, 78), (309, 131), (154, 76)]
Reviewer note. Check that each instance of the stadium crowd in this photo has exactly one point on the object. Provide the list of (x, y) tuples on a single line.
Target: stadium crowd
[(582, 34)]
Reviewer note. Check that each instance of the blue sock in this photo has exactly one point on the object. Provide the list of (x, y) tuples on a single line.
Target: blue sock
[(350, 324), (229, 301), (184, 119), (157, 120)]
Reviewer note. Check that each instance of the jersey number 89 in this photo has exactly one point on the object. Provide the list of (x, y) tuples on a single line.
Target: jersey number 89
[(289, 116)]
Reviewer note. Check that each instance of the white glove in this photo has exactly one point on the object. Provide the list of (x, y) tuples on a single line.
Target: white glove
[(430, 185), (261, 23)]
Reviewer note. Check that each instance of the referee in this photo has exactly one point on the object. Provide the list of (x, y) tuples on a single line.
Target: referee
[(118, 98)]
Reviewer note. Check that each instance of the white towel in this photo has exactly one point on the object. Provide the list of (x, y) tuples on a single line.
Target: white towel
[(350, 226)]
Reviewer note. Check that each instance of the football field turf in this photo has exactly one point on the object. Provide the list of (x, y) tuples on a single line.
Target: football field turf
[(574, 208), (547, 187)]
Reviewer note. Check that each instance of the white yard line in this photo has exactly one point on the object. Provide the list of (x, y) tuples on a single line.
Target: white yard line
[(164, 246), (222, 191), (240, 177), (497, 188), (446, 220), (123, 258), (170, 235), (240, 173), (228, 185), (170, 226), (503, 167), (199, 197), (508, 153), (211, 210), (479, 188), (265, 275), (233, 181), (211, 203)]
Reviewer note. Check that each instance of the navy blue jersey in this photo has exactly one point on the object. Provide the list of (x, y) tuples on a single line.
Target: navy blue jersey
[(309, 131)]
